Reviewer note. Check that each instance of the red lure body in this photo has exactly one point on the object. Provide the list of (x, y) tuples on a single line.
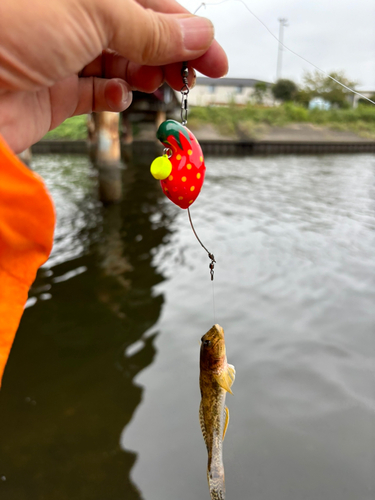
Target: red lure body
[(185, 181)]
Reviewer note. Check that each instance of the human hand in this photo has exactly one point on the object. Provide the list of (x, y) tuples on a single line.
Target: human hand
[(60, 58)]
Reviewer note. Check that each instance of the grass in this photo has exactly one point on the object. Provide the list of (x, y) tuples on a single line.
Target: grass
[(74, 128), (229, 120)]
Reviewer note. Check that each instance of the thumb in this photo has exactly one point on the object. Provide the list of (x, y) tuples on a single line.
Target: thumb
[(150, 38)]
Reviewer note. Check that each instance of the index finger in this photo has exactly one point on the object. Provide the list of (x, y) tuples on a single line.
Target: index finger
[(164, 6), (214, 63)]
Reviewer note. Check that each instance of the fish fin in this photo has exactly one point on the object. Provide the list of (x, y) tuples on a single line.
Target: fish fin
[(226, 378), (203, 425), (232, 373), (226, 422)]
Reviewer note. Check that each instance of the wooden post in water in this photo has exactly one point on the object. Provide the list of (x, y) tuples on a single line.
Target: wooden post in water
[(127, 129), (25, 156), (160, 117), (105, 153), (92, 137)]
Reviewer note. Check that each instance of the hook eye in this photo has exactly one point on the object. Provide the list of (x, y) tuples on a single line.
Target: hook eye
[(168, 152)]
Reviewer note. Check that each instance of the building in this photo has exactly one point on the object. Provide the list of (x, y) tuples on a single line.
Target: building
[(354, 99), (319, 103), (223, 91)]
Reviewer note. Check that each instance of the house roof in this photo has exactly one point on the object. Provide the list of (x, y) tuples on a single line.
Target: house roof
[(228, 82)]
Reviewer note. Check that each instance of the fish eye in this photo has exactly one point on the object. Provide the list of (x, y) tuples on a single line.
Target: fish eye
[(207, 343)]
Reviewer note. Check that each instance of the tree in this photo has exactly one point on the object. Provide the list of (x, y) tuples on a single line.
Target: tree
[(303, 97), (284, 90), (317, 84), (259, 91)]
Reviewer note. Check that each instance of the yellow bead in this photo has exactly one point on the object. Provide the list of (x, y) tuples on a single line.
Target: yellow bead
[(178, 157), (192, 188), (188, 166), (198, 176), (190, 152), (161, 167), (183, 179)]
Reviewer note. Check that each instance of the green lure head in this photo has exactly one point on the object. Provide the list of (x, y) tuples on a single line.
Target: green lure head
[(171, 128)]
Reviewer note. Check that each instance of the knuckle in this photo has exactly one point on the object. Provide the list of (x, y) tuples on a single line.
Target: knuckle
[(155, 44)]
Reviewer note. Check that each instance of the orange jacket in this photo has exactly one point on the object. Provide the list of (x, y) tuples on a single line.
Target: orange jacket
[(27, 221)]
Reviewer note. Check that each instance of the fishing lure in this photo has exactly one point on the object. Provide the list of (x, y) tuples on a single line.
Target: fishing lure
[(181, 169)]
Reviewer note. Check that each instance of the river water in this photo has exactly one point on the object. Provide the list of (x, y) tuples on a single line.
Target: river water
[(100, 396)]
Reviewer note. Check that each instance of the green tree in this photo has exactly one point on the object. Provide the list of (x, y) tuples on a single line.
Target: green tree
[(284, 90), (317, 84), (259, 91), (303, 97)]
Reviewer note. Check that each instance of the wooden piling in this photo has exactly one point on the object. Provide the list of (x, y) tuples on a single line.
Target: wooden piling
[(105, 154), (25, 156), (160, 117), (126, 129), (108, 145)]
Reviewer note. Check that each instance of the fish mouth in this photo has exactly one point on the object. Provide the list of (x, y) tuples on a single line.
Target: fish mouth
[(216, 332), (219, 330), (213, 336)]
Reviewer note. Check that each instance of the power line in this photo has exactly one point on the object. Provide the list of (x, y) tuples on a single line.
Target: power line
[(283, 23)]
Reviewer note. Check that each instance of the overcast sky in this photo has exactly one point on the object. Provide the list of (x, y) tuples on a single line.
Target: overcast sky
[(333, 34)]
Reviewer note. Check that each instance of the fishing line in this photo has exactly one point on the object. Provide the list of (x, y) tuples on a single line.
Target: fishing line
[(210, 255), (184, 117), (204, 4), (213, 301), (211, 265)]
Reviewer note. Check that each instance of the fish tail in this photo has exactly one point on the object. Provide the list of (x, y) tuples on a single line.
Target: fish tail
[(216, 483)]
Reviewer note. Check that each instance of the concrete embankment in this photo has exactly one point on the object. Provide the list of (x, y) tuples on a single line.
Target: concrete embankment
[(291, 139)]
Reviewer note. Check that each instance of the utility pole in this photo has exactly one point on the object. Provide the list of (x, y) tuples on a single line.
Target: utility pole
[(283, 23)]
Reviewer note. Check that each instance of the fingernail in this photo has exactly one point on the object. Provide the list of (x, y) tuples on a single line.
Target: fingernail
[(193, 78), (197, 32), (126, 94), (117, 94)]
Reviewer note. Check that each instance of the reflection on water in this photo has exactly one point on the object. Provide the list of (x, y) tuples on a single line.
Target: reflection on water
[(68, 389), (115, 317)]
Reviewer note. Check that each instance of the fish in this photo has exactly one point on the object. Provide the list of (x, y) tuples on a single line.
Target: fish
[(215, 380)]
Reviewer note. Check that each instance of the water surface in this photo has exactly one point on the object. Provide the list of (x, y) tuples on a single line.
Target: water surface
[(100, 397)]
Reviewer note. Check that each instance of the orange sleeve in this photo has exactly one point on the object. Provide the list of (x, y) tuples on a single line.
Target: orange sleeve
[(27, 221)]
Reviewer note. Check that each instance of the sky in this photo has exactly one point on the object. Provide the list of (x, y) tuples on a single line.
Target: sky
[(335, 35)]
